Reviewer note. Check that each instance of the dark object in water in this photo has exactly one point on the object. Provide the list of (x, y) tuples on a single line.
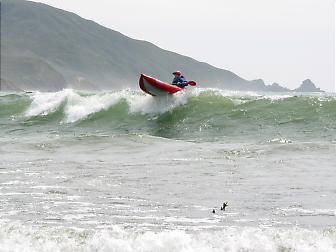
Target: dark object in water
[(224, 205), (213, 211)]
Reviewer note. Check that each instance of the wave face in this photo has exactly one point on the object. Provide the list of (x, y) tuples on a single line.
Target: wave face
[(203, 114)]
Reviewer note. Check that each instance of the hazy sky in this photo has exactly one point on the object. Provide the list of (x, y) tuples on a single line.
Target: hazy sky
[(283, 41)]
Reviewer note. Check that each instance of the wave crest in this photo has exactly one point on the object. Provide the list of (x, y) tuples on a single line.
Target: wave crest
[(195, 112)]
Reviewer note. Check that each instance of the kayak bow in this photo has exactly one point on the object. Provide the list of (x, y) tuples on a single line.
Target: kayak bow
[(156, 87)]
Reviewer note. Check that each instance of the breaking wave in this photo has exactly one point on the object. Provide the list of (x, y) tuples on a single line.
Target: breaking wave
[(18, 238), (203, 112)]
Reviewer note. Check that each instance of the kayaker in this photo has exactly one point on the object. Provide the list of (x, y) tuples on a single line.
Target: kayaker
[(179, 80)]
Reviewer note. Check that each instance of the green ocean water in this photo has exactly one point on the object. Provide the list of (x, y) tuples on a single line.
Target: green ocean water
[(203, 115), (124, 171)]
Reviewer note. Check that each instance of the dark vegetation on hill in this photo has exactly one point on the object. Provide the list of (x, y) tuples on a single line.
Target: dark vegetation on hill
[(48, 49)]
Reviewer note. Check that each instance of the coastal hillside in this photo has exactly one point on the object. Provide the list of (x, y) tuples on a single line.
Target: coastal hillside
[(48, 49)]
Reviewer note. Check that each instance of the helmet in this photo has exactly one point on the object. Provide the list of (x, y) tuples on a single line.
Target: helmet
[(178, 73)]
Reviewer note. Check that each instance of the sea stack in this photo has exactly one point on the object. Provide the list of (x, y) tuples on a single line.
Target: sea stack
[(308, 86)]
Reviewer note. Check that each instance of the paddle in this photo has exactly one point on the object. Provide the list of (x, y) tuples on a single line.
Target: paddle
[(191, 83)]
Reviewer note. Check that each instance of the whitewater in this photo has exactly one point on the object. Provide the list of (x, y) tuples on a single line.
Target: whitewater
[(125, 171)]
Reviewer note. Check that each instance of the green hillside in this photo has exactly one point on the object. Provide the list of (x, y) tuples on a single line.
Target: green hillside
[(44, 48)]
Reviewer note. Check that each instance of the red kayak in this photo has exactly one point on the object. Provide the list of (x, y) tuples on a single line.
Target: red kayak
[(156, 87)]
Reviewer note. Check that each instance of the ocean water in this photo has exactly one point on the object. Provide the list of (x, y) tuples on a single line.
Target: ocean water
[(124, 171)]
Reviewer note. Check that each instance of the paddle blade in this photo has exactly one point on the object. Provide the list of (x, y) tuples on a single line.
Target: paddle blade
[(191, 83)]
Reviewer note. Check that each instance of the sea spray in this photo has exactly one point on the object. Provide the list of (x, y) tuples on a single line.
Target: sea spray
[(46, 103)]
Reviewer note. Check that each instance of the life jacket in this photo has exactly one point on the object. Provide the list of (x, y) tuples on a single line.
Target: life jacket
[(179, 80)]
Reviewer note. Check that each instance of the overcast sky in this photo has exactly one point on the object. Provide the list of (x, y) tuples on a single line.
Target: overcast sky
[(283, 41)]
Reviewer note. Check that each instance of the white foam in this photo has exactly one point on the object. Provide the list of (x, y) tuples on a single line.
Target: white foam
[(146, 104), (46, 103), (79, 107), (17, 237), (308, 212), (280, 140)]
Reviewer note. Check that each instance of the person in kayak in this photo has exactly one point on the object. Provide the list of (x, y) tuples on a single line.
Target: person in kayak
[(179, 80)]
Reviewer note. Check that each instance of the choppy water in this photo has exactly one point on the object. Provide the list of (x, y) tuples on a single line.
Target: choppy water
[(123, 171)]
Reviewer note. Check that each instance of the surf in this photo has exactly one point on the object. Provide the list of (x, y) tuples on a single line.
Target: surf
[(204, 112), (119, 239)]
